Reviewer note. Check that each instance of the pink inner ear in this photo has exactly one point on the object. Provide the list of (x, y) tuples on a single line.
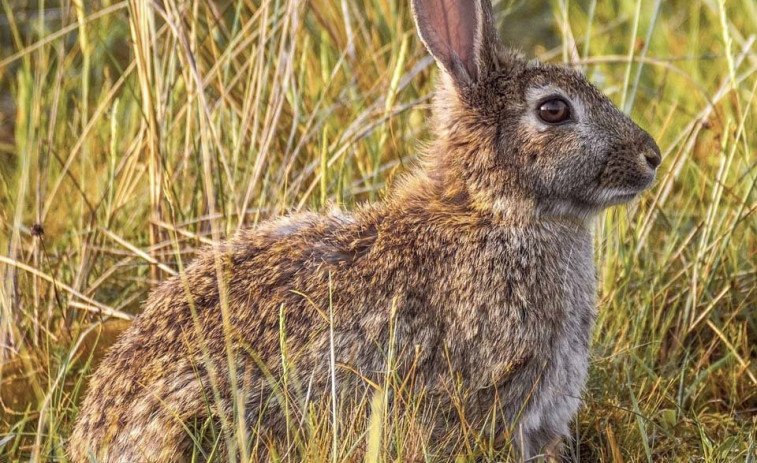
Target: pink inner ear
[(454, 23)]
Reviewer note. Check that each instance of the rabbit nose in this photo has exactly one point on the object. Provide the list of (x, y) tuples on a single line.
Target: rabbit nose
[(651, 152), (653, 158)]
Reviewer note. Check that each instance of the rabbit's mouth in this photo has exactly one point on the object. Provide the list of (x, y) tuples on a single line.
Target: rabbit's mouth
[(624, 198), (614, 198), (587, 207)]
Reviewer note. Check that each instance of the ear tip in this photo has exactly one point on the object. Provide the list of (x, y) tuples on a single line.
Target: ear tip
[(457, 35), (416, 10)]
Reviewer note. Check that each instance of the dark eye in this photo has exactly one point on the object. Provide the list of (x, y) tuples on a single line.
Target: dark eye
[(554, 111)]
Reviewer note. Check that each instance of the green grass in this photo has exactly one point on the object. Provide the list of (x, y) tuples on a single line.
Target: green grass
[(135, 135)]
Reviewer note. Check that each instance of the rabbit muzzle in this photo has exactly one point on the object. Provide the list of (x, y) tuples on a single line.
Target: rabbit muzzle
[(629, 170)]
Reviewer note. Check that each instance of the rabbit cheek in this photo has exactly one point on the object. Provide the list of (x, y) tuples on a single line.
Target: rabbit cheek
[(562, 169)]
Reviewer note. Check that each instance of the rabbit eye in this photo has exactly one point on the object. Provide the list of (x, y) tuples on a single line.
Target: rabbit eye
[(554, 111)]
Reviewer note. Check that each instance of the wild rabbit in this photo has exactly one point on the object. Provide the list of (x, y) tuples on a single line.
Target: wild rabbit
[(479, 263)]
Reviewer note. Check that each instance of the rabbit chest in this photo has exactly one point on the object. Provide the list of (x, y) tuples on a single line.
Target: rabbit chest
[(521, 331)]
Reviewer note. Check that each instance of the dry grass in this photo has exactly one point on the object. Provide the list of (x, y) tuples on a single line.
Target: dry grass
[(136, 132)]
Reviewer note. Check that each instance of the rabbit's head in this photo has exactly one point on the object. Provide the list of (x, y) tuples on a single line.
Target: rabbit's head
[(518, 136)]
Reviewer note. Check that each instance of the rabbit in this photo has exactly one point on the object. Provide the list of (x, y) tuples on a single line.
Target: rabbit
[(478, 264)]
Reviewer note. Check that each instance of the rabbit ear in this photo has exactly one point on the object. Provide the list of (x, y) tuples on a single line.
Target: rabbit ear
[(460, 34)]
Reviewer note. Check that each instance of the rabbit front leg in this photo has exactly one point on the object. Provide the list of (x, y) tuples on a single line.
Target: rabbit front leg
[(531, 447), (554, 450)]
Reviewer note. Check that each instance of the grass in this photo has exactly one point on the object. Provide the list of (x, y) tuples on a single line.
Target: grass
[(134, 133)]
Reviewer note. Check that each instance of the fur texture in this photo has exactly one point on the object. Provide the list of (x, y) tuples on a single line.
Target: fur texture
[(483, 254)]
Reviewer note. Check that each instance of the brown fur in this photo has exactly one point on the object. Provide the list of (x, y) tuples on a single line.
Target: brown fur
[(484, 252)]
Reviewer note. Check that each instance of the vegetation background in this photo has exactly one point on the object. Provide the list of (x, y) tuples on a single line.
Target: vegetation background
[(132, 133)]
